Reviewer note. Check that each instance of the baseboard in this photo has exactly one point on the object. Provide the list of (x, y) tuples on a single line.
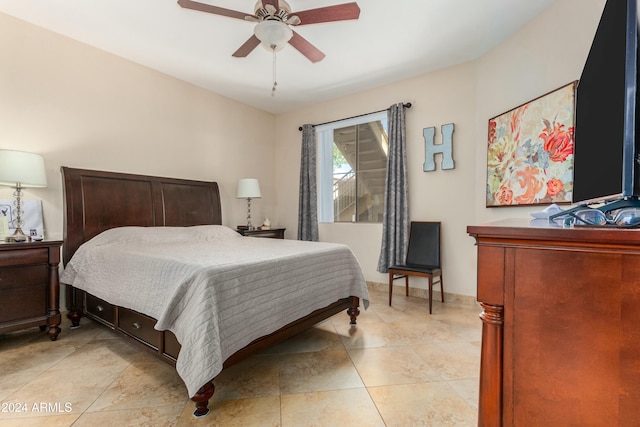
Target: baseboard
[(450, 298)]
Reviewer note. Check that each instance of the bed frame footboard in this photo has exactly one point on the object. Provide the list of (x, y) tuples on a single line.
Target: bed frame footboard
[(352, 305), (81, 303)]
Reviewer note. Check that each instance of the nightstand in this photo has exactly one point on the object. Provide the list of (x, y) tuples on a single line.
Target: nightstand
[(273, 233), (29, 286)]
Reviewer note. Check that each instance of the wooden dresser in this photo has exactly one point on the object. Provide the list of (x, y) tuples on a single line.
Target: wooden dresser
[(561, 325), (29, 287)]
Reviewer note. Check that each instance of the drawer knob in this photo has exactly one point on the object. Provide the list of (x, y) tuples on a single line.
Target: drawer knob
[(99, 307), (136, 325)]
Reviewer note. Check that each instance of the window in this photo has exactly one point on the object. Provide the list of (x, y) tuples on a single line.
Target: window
[(352, 169)]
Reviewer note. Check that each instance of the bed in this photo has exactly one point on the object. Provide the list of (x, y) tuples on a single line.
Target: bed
[(185, 278)]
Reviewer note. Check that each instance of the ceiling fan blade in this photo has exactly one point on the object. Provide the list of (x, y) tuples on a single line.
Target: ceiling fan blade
[(339, 12), (202, 7), (247, 47), (307, 49)]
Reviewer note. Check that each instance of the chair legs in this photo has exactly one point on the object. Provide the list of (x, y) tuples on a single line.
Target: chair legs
[(431, 283), (406, 284), (430, 290), (391, 274)]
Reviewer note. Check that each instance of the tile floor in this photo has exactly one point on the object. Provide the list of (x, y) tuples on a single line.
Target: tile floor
[(399, 367)]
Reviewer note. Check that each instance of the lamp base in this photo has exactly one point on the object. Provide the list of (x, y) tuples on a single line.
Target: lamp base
[(249, 225), (18, 236)]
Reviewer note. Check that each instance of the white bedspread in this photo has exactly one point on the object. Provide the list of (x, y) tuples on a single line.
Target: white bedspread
[(243, 287)]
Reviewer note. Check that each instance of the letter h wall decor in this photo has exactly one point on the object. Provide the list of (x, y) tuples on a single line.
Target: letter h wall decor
[(431, 149)]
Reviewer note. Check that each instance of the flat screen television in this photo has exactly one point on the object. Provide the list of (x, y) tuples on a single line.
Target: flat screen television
[(606, 153)]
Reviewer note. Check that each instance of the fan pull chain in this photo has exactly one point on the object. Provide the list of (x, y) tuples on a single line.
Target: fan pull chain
[(275, 83)]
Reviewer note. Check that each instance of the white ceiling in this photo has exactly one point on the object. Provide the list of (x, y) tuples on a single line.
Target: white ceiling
[(392, 40)]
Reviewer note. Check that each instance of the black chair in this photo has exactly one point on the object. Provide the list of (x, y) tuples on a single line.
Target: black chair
[(423, 258)]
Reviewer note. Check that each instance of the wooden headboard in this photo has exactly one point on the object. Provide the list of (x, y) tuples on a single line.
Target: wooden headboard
[(95, 201)]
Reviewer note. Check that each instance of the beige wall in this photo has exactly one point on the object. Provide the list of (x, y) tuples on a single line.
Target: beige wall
[(438, 98), (544, 55), (82, 107)]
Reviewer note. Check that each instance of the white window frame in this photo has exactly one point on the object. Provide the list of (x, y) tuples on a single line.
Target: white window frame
[(324, 138)]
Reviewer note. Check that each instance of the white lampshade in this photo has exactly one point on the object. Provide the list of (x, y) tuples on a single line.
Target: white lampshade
[(273, 34), (248, 188), (19, 167)]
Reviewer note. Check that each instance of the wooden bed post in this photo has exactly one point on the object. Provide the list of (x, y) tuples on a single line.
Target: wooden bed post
[(202, 399), (74, 307), (353, 311)]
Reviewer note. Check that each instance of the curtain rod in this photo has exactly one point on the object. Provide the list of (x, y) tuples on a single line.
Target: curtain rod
[(406, 105)]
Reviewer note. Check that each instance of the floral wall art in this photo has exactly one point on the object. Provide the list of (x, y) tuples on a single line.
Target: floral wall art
[(530, 151)]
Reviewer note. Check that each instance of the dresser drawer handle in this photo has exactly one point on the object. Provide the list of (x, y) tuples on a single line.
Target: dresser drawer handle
[(136, 325), (99, 307)]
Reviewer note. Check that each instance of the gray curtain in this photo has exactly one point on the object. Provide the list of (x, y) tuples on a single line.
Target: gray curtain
[(395, 221), (308, 202)]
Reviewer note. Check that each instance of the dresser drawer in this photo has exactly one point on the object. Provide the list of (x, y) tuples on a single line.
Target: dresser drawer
[(139, 326), (100, 309)]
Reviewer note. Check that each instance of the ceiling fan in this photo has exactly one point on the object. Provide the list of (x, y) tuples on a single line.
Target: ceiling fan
[(274, 18)]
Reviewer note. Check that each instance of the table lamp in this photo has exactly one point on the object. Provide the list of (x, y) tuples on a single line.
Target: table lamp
[(249, 188), (19, 169)]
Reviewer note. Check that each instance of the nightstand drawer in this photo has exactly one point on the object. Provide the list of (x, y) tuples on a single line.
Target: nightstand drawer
[(100, 309), (270, 234), (26, 276), (139, 326), (23, 303), (24, 257)]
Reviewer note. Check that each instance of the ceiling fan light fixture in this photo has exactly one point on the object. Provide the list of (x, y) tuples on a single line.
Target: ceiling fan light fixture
[(281, 5), (273, 34)]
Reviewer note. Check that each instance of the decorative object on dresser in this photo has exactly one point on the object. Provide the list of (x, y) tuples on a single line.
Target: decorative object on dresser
[(249, 188), (266, 225), (273, 233), (19, 169), (97, 206), (29, 286), (560, 323)]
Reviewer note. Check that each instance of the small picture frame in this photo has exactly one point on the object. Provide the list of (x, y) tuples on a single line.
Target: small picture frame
[(32, 216), (4, 227)]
